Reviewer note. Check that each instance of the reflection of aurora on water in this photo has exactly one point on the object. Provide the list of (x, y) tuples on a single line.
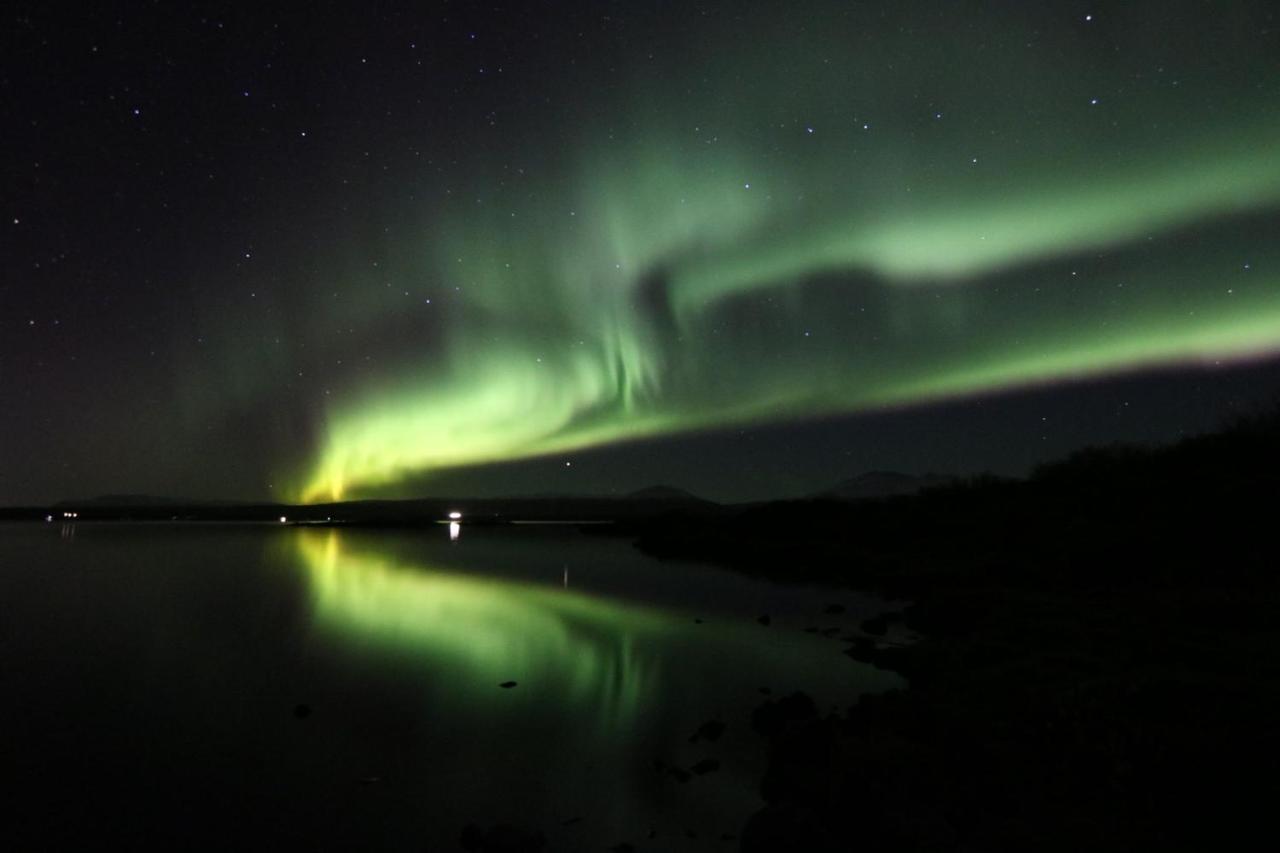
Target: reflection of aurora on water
[(485, 630), (418, 633)]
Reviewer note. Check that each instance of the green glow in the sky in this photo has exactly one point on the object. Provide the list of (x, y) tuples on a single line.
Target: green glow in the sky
[(794, 243)]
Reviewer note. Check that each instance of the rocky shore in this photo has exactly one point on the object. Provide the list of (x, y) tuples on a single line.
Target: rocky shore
[(1099, 666)]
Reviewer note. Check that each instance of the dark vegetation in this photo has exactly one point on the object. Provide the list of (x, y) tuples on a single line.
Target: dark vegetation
[(1099, 668)]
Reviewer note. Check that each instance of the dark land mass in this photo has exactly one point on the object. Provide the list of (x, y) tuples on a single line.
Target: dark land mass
[(650, 502), (881, 484), (1098, 668), (647, 503)]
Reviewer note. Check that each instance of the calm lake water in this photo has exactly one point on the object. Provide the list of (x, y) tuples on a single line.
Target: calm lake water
[(152, 676)]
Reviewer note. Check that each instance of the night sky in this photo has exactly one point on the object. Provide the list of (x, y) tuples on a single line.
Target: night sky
[(750, 249)]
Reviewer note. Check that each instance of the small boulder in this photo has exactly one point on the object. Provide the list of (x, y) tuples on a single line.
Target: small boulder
[(503, 838), (774, 717), (876, 626), (710, 730)]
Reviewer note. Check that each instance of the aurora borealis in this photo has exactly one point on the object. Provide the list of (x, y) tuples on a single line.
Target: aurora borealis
[(381, 250)]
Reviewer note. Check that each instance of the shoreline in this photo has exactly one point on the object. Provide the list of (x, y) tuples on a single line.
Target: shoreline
[(1098, 663)]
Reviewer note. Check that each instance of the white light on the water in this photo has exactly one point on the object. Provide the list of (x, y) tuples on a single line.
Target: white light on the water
[(455, 530), (283, 519)]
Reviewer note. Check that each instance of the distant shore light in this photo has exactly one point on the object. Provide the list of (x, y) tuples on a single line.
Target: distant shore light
[(455, 515), (283, 519)]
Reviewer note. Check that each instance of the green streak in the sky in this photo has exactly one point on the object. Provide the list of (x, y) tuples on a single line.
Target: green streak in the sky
[(959, 239), (803, 248)]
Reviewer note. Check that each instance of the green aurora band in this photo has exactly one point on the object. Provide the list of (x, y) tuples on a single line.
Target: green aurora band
[(797, 239)]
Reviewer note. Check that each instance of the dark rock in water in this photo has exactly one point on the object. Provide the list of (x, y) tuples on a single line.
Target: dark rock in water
[(503, 838), (691, 833), (767, 691), (800, 767), (710, 730), (763, 620), (705, 766), (812, 629), (653, 832), (773, 717), (301, 711), (679, 775), (862, 653), (571, 821), (472, 838), (697, 621), (728, 836), (863, 650), (833, 609), (892, 789), (784, 828), (507, 685), (877, 626)]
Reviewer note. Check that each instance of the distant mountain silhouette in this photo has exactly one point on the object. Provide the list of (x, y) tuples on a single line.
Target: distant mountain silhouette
[(143, 500), (882, 484), (664, 493)]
